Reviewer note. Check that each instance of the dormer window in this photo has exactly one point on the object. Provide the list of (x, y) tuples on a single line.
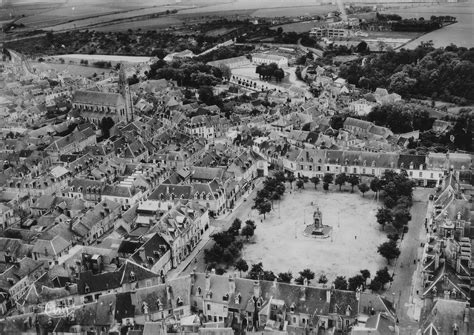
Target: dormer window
[(226, 297), (132, 276), (455, 329), (292, 308), (238, 298), (348, 310)]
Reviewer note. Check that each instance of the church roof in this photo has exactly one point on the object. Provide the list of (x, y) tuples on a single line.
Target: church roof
[(98, 98)]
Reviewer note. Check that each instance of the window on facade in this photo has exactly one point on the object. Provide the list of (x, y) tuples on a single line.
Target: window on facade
[(208, 307), (420, 174), (355, 170), (310, 168), (301, 167), (373, 171), (411, 173), (327, 168)]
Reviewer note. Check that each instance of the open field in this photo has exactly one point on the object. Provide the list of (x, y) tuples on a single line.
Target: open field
[(106, 58), (459, 33), (71, 17), (299, 27), (72, 69), (220, 31), (296, 10), (280, 245), (148, 24)]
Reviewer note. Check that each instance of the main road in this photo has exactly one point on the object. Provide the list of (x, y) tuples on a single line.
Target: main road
[(403, 291)]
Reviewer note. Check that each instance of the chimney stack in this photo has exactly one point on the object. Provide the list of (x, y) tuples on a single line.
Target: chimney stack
[(303, 294), (256, 289), (436, 260), (208, 282), (142, 254), (168, 292), (231, 285), (193, 276)]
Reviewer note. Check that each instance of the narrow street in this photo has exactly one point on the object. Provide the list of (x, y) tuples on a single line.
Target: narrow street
[(402, 291)]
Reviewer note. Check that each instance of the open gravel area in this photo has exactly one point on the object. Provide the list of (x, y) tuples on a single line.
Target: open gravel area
[(280, 245)]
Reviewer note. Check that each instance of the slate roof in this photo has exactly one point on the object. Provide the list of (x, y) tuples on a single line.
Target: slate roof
[(352, 122), (118, 191), (51, 247), (443, 315), (165, 190), (111, 280), (206, 173), (84, 184), (98, 98), (155, 248), (93, 216), (404, 161), (342, 302), (124, 307)]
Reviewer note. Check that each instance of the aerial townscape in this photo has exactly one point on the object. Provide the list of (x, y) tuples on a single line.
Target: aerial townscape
[(236, 167)]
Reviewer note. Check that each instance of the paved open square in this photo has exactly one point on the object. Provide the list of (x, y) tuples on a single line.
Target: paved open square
[(279, 242)]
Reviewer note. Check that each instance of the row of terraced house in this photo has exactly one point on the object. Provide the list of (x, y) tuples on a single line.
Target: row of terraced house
[(426, 170)]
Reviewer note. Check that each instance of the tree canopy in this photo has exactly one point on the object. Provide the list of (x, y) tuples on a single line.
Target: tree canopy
[(340, 283), (389, 250), (444, 73)]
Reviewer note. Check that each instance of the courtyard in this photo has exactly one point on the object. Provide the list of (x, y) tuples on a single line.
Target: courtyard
[(279, 242)]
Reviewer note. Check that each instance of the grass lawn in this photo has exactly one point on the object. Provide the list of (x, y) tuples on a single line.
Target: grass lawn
[(280, 245)]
